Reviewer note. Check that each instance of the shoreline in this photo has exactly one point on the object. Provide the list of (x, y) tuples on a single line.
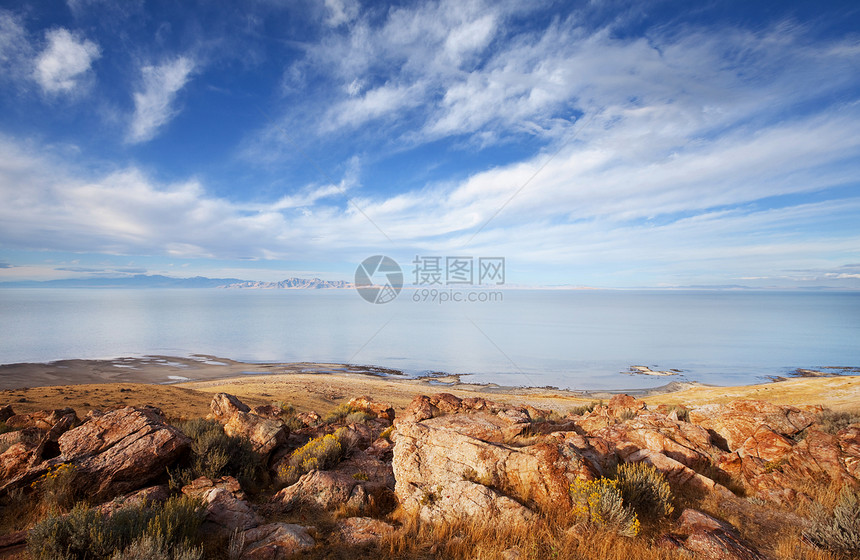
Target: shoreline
[(199, 368), (183, 387)]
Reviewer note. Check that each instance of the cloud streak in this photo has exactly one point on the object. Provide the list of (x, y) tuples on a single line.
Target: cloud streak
[(154, 103)]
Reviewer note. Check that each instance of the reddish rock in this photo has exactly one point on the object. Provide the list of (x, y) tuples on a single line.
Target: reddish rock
[(121, 450), (142, 497), (275, 541), (444, 470), (267, 411), (323, 489), (225, 505), (362, 530), (58, 420), (737, 421), (369, 406), (681, 441), (766, 445), (720, 545), (264, 433), (621, 404), (309, 418), (224, 406), (6, 412), (677, 473)]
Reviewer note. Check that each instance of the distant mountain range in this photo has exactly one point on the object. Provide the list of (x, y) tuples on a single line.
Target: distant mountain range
[(160, 281), (292, 284)]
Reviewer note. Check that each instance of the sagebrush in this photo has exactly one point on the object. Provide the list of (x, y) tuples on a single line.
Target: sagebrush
[(645, 489), (838, 530), (215, 454)]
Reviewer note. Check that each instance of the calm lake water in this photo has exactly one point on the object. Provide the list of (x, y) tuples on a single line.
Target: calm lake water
[(569, 339)]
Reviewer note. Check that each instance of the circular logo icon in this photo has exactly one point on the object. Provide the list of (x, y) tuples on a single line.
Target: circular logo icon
[(378, 279)]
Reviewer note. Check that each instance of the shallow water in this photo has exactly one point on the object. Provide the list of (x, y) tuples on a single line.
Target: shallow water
[(565, 338)]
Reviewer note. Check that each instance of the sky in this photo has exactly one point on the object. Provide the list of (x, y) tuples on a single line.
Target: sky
[(589, 143)]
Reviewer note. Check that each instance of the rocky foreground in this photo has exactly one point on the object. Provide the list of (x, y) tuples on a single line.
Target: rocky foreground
[(446, 461)]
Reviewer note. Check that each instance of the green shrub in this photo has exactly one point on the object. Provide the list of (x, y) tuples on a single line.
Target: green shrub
[(215, 454), (358, 417), (838, 531), (386, 433), (680, 410), (320, 453), (583, 409), (87, 534), (153, 548), (57, 486), (339, 413), (645, 489), (599, 503), (831, 421)]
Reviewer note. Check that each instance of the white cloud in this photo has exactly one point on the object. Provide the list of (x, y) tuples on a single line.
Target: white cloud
[(64, 64), (340, 11), (154, 103)]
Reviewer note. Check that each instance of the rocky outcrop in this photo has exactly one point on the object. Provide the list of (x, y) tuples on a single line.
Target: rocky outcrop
[(457, 465), (330, 490), (264, 433), (423, 407), (369, 406), (45, 420), (6, 412), (275, 541), (734, 423), (225, 504), (711, 539), (224, 406), (121, 450)]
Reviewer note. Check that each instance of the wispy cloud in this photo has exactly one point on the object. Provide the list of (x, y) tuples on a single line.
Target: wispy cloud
[(154, 103), (64, 64)]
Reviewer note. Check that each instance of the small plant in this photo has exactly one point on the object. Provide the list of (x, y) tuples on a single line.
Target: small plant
[(680, 411), (361, 476), (215, 454), (645, 489), (599, 503), (319, 453), (87, 534), (358, 417), (339, 413), (838, 531), (386, 433), (57, 486), (831, 421), (583, 409), (154, 548), (627, 414)]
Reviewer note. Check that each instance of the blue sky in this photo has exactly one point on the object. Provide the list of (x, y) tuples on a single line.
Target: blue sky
[(602, 143)]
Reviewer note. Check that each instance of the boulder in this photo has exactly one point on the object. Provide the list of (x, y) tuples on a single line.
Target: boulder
[(264, 433), (225, 505), (44, 419), (309, 418), (267, 411), (275, 541), (369, 406), (224, 406), (121, 450), (362, 530), (6, 412), (736, 422), (712, 539), (142, 497), (688, 444), (330, 490), (444, 470), (423, 407)]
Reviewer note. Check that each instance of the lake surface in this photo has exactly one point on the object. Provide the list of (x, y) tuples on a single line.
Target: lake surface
[(565, 338)]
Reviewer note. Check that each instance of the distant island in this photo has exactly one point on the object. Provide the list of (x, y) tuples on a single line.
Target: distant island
[(161, 281)]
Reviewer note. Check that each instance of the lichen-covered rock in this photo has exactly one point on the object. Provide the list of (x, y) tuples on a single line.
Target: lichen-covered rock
[(275, 541), (369, 406), (330, 490), (44, 419), (264, 433), (225, 505), (121, 450), (224, 406), (737, 421), (444, 470), (711, 539)]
